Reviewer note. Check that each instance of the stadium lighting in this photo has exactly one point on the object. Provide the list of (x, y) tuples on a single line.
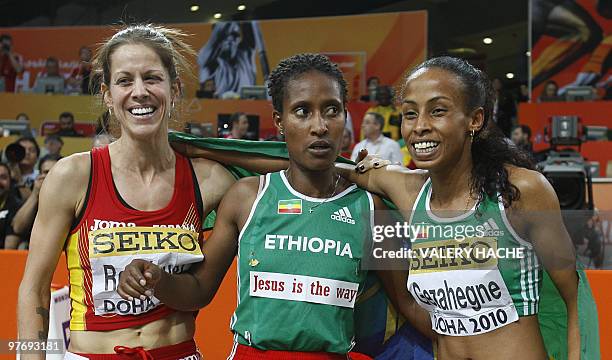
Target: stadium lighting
[(487, 40), (241, 7), (510, 75), (217, 16), (194, 8)]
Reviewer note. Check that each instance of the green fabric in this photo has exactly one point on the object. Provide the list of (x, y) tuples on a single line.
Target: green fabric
[(279, 244), (519, 278), (553, 320)]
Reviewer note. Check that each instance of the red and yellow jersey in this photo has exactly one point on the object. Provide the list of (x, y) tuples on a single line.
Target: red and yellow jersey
[(109, 234)]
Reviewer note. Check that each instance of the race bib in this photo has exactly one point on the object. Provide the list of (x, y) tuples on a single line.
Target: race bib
[(465, 294), (112, 249)]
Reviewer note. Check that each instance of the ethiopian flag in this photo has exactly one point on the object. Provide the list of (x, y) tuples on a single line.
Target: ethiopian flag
[(382, 333), (293, 206)]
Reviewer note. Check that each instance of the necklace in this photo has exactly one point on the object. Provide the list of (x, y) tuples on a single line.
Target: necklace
[(311, 209)]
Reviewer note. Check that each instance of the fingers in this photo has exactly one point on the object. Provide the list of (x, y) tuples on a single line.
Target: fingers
[(371, 162), (133, 281), (361, 155)]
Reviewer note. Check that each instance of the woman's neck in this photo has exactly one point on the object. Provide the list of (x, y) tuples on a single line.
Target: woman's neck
[(317, 184), (142, 155), (450, 187)]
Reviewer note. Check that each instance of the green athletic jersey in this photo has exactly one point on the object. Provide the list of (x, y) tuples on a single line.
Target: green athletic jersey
[(299, 272), (473, 272)]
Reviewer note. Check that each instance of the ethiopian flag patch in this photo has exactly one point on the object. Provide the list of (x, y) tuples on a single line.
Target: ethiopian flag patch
[(293, 206)]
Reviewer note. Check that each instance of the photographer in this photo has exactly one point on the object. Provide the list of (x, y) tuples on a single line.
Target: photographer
[(10, 63)]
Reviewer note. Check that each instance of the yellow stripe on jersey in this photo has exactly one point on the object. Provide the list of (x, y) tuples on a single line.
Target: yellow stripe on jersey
[(120, 241), (77, 284)]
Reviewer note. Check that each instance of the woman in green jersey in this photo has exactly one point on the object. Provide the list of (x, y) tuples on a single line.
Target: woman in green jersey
[(300, 234), (481, 306)]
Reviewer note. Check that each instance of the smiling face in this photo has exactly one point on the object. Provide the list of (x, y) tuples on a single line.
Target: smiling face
[(140, 92), (313, 120), (435, 122)]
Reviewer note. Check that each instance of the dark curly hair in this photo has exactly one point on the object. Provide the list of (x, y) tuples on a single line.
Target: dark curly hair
[(491, 151), (295, 65)]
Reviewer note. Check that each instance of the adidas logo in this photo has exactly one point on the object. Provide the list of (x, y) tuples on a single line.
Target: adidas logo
[(343, 215), (491, 228)]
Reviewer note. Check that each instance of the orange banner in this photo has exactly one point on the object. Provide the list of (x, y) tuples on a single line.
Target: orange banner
[(373, 43)]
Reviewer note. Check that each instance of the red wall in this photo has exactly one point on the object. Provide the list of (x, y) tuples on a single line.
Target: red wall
[(537, 115)]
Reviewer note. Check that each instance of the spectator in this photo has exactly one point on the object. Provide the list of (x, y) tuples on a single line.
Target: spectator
[(24, 218), (207, 89), (240, 126), (53, 145), (372, 85), (523, 95), (27, 132), (11, 63), (66, 121), (102, 139), (384, 107), (521, 137), (504, 108), (27, 166), (52, 70), (10, 204), (550, 92), (347, 144), (375, 142), (78, 82)]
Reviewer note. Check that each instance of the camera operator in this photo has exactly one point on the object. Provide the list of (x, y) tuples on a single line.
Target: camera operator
[(11, 63)]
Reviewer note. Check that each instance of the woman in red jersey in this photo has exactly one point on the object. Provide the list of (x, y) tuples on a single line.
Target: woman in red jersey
[(133, 198)]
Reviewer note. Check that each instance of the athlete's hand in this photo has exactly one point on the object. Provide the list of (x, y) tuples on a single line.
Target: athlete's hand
[(138, 280), (367, 162)]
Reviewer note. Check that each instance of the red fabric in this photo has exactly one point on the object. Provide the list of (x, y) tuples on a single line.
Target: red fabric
[(103, 204), (244, 352), (186, 350)]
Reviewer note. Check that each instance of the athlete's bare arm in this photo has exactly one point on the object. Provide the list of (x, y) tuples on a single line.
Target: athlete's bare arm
[(61, 197), (194, 290), (394, 182), (538, 213), (257, 163), (395, 285), (214, 181)]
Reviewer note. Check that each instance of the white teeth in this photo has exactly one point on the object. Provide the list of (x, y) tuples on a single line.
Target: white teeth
[(425, 146), (142, 111)]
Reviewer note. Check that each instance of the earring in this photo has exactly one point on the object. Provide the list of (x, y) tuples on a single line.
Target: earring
[(282, 132), (110, 112), (472, 135)]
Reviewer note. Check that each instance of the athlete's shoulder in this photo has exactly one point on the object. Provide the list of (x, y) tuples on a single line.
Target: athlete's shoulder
[(71, 168), (534, 189), (68, 179)]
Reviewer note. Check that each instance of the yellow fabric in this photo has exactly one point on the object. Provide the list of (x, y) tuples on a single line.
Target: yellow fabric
[(77, 286)]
